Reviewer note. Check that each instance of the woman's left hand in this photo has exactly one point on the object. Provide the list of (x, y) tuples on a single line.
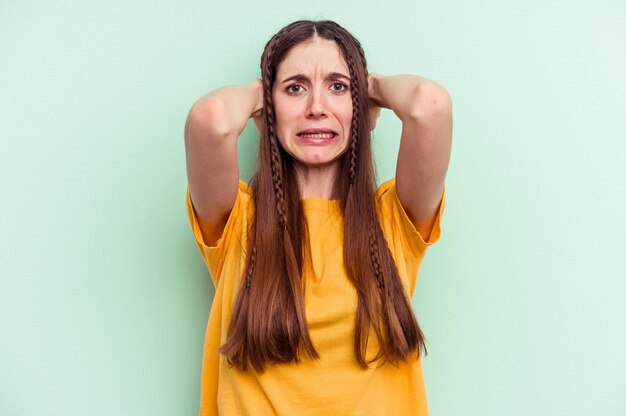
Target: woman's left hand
[(374, 103), (374, 112)]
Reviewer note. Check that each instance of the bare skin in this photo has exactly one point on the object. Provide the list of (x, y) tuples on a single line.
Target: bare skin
[(313, 124), (212, 129), (313, 108), (425, 110)]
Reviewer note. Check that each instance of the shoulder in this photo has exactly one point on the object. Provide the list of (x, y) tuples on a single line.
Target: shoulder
[(242, 206), (386, 197), (224, 253), (395, 220), (245, 190), (384, 189)]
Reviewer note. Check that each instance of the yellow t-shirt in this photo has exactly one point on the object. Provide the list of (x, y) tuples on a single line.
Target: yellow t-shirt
[(334, 384)]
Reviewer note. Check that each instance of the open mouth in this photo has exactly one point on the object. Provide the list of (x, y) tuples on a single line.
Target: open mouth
[(317, 134)]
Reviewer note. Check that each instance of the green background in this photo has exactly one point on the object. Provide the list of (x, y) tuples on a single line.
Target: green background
[(103, 294)]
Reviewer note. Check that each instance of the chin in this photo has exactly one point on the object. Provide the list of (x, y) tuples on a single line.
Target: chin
[(317, 161)]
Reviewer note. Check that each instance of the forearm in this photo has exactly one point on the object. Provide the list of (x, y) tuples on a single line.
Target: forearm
[(410, 97)]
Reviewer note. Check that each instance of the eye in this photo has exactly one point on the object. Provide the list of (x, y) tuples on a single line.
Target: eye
[(338, 87), (294, 89)]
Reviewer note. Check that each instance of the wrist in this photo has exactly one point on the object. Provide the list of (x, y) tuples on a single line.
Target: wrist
[(373, 89), (256, 94)]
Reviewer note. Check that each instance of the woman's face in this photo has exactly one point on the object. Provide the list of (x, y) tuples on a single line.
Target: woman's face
[(313, 103)]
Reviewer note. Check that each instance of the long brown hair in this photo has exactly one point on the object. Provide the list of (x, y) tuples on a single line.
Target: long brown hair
[(268, 321)]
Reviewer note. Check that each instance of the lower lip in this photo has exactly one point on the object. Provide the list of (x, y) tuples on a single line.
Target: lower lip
[(318, 140)]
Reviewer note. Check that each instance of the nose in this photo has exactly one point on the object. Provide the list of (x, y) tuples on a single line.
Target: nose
[(316, 105)]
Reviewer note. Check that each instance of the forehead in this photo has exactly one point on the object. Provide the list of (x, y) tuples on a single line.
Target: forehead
[(316, 55)]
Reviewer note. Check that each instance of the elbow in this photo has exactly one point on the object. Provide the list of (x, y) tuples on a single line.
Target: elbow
[(430, 101), (208, 119)]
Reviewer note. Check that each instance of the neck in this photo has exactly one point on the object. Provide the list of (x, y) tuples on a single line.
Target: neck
[(316, 181)]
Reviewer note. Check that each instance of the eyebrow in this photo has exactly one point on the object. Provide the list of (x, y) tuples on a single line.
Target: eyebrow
[(302, 77)]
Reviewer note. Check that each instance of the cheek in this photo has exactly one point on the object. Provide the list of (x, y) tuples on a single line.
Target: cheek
[(347, 117), (283, 125), (349, 114), (283, 114), (346, 110)]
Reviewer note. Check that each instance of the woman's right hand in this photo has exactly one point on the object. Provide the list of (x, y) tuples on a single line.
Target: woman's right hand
[(257, 114)]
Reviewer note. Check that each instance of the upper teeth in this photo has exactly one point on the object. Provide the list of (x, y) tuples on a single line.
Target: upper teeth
[(317, 135)]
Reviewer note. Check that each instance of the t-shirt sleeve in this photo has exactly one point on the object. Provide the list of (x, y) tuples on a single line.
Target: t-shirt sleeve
[(214, 255), (399, 227)]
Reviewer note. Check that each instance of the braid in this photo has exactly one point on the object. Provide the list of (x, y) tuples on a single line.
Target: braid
[(289, 335), (354, 127), (355, 135), (375, 259), (361, 54), (276, 165), (278, 184), (275, 161), (268, 322), (251, 267)]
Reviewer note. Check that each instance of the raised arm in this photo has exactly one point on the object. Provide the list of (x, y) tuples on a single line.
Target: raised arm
[(425, 110), (211, 131)]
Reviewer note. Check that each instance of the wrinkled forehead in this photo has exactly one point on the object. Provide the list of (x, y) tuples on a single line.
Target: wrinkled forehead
[(315, 57)]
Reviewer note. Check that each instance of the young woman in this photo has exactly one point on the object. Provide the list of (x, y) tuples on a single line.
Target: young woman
[(314, 266)]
